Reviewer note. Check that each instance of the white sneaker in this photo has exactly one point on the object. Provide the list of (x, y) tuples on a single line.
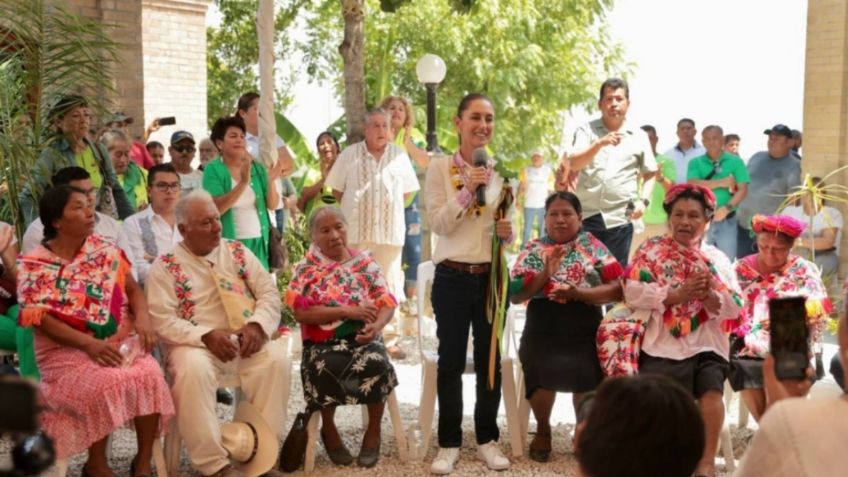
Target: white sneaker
[(444, 461), (491, 454)]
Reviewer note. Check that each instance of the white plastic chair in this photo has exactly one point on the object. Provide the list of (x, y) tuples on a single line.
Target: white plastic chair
[(724, 437), (397, 427), (429, 372), (173, 440)]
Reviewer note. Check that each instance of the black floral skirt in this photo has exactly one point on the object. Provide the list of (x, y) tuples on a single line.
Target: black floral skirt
[(342, 371)]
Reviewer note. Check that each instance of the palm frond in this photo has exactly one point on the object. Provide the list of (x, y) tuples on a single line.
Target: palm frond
[(45, 52)]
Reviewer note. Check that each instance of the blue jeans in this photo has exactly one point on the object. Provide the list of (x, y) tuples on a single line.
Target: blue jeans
[(459, 302), (530, 216), (745, 243), (723, 236), (411, 254), (282, 217)]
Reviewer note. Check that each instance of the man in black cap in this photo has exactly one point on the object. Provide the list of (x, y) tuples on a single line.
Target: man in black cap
[(182, 153), (774, 174)]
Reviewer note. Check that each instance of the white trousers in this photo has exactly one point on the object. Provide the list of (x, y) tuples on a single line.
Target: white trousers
[(264, 380), (389, 258)]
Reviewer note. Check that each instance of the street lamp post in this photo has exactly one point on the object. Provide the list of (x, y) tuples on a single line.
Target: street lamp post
[(431, 71)]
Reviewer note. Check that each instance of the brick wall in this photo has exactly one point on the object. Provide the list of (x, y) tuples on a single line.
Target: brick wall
[(174, 39), (162, 54), (825, 145), (125, 16)]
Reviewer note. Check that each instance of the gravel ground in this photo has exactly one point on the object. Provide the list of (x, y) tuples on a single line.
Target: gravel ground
[(349, 422)]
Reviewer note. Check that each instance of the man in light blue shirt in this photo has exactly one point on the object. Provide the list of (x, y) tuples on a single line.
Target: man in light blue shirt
[(686, 149)]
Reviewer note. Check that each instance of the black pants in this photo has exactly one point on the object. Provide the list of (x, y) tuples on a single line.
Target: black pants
[(745, 244), (459, 300), (616, 239)]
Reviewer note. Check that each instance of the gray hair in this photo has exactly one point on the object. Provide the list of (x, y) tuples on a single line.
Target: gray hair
[(112, 135), (322, 211), (197, 195), (375, 111)]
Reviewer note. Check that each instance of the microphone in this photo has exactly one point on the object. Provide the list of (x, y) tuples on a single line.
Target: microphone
[(480, 158)]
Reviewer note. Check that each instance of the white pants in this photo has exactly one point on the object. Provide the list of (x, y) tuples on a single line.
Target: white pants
[(389, 258), (264, 380)]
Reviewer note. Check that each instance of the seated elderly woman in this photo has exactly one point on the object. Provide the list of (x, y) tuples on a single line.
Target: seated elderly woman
[(690, 289), (342, 302), (77, 291), (772, 272), (566, 275)]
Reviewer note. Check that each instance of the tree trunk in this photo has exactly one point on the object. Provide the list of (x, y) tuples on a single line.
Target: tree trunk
[(351, 49)]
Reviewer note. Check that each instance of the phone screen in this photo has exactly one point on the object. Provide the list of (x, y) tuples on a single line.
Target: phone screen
[(170, 120), (789, 334)]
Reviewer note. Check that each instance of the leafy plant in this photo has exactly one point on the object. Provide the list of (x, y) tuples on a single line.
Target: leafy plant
[(45, 52), (296, 239)]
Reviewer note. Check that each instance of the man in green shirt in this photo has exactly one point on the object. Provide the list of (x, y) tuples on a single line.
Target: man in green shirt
[(728, 178), (655, 217)]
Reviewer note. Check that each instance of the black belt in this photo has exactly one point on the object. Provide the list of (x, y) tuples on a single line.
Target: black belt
[(472, 268)]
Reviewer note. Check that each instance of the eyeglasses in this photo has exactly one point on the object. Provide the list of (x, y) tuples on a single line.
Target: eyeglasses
[(166, 186), (184, 149)]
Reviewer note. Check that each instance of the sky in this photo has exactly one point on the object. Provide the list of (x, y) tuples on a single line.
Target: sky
[(735, 63)]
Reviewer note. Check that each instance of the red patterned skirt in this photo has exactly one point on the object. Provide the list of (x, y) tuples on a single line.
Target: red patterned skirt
[(85, 402)]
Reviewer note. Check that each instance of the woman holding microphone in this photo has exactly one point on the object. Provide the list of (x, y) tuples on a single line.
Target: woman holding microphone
[(461, 287)]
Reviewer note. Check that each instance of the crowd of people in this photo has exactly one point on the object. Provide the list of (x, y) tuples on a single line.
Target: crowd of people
[(123, 253)]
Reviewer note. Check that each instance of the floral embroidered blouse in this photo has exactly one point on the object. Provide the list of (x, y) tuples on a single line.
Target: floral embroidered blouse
[(321, 281), (587, 263), (798, 277), (86, 293), (686, 329)]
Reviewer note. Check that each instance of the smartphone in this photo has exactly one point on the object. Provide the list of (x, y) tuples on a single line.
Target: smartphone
[(789, 335), (169, 121), (18, 409)]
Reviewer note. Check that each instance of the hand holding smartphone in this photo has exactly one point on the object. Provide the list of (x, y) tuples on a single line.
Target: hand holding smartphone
[(789, 336)]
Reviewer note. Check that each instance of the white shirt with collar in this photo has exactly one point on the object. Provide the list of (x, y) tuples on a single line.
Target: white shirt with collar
[(105, 226), (681, 158), (373, 190), (144, 236), (163, 304)]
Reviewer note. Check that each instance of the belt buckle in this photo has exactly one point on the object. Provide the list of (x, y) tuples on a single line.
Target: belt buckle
[(475, 268)]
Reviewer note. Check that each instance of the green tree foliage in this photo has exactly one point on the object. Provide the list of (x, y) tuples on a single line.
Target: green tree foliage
[(535, 58), (45, 52), (232, 62)]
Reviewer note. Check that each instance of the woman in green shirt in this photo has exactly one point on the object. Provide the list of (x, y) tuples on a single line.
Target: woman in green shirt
[(244, 210), (314, 195), (132, 177), (71, 147)]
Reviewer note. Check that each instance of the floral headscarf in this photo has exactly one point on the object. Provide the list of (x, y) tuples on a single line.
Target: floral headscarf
[(784, 224), (675, 191)]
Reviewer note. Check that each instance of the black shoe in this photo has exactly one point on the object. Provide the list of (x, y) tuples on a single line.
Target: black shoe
[(368, 457), (224, 397), (340, 455)]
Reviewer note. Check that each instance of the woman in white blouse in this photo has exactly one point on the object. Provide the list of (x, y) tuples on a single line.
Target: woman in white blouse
[(463, 256)]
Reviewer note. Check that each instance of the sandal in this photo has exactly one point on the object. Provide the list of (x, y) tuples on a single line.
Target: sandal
[(540, 447)]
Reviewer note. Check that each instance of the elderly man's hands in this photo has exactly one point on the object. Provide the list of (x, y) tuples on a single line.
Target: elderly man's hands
[(219, 344), (252, 338)]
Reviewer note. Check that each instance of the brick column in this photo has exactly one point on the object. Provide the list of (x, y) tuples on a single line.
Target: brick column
[(825, 145), (174, 39)]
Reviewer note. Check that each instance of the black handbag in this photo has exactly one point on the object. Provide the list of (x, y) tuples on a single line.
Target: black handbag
[(294, 447)]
